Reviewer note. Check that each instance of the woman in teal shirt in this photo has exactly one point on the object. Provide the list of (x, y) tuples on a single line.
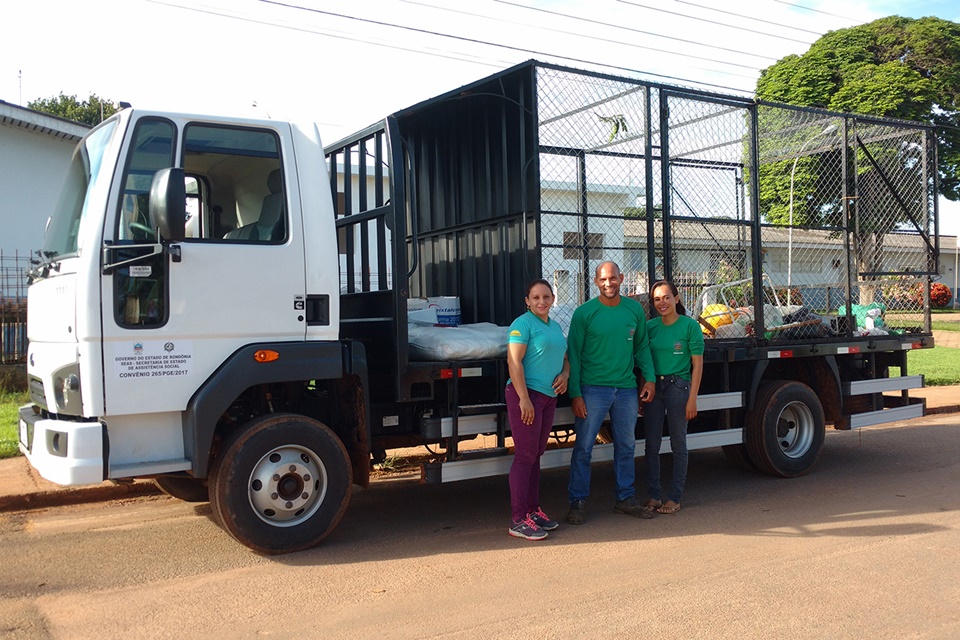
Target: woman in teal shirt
[(536, 359), (676, 343)]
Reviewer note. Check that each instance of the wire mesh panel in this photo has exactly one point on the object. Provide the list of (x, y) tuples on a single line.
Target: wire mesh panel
[(831, 214), (802, 205), (594, 182), (891, 220), (846, 207), (709, 218)]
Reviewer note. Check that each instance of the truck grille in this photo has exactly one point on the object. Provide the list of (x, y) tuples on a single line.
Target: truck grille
[(37, 395)]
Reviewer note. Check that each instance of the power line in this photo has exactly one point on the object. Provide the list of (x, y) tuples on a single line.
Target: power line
[(723, 24), (826, 13), (340, 36), (631, 29), (583, 35), (740, 15), (534, 52), (485, 61)]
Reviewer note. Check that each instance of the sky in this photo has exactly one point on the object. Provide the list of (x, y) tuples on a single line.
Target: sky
[(347, 63)]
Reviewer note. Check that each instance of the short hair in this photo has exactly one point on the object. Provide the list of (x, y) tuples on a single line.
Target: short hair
[(611, 263)]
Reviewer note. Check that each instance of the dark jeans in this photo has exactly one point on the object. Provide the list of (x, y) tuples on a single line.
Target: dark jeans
[(529, 443), (670, 401)]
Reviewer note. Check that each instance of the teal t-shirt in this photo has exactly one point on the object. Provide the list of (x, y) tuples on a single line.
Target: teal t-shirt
[(606, 343), (546, 347), (672, 345)]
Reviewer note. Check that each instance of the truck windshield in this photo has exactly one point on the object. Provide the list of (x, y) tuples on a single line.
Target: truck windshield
[(85, 170)]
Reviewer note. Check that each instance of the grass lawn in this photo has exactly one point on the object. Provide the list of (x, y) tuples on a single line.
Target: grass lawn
[(940, 366), (9, 433)]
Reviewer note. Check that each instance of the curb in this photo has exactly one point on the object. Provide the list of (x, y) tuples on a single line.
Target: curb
[(79, 495), (950, 408)]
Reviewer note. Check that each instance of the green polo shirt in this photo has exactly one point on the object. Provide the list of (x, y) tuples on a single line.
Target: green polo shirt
[(605, 343), (672, 345)]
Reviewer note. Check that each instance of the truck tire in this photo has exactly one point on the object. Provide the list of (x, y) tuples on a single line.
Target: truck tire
[(281, 483), (183, 488), (785, 429)]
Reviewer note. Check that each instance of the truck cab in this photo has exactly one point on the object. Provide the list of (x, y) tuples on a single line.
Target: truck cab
[(181, 249)]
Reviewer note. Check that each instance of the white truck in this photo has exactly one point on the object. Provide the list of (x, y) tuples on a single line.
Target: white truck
[(221, 304)]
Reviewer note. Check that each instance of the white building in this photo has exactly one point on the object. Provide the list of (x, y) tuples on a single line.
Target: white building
[(35, 150)]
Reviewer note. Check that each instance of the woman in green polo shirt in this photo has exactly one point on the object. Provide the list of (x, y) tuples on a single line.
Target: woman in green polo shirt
[(676, 344)]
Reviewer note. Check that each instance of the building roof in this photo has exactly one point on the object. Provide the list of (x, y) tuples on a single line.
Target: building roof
[(16, 116), (711, 231)]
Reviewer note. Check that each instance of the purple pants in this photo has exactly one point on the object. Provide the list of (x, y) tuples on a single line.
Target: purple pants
[(529, 443)]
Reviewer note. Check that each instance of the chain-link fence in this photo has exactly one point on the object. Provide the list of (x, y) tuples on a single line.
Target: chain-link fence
[(13, 307), (775, 222)]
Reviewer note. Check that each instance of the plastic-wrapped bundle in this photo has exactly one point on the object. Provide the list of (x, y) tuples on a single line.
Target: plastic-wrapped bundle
[(480, 341)]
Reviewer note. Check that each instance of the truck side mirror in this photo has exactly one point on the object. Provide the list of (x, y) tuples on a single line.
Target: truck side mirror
[(168, 204)]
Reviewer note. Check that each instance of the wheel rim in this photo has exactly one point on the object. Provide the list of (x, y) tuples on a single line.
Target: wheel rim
[(795, 430), (287, 486)]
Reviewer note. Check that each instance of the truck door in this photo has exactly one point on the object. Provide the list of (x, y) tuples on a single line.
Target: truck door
[(170, 318)]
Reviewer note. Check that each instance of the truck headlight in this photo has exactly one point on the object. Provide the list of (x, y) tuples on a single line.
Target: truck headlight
[(66, 389)]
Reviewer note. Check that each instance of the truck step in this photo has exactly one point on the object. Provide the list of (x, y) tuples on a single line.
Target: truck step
[(481, 409), (915, 409), (477, 454), (901, 383), (485, 466)]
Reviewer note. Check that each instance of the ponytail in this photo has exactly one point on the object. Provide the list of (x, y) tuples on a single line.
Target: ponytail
[(673, 289)]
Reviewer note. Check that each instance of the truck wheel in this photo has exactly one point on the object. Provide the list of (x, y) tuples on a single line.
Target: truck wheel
[(281, 483), (182, 488), (785, 429)]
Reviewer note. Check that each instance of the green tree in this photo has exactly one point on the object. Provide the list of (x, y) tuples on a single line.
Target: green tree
[(896, 67), (92, 111)]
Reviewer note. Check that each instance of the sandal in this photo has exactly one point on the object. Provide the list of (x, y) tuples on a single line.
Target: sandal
[(670, 507), (653, 504)]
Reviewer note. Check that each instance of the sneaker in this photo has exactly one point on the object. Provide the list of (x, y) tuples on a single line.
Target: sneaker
[(543, 520), (527, 529), (632, 507), (577, 513)]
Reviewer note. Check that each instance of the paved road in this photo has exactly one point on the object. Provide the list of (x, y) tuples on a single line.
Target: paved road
[(865, 547)]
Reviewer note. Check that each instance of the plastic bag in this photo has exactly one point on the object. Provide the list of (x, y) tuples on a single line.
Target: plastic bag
[(480, 341)]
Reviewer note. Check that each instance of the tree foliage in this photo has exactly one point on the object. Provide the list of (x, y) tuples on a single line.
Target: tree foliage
[(895, 67), (92, 111)]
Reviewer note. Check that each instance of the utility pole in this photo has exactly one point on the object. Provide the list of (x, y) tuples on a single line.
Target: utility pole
[(956, 264)]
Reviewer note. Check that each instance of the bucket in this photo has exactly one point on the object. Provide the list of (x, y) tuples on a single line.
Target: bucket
[(441, 310)]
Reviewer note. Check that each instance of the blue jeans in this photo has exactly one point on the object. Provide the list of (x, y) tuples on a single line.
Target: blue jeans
[(622, 405), (670, 401)]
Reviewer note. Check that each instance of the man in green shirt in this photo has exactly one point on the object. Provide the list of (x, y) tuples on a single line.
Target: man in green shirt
[(607, 340)]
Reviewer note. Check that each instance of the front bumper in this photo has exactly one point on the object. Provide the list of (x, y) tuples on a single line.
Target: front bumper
[(65, 452)]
